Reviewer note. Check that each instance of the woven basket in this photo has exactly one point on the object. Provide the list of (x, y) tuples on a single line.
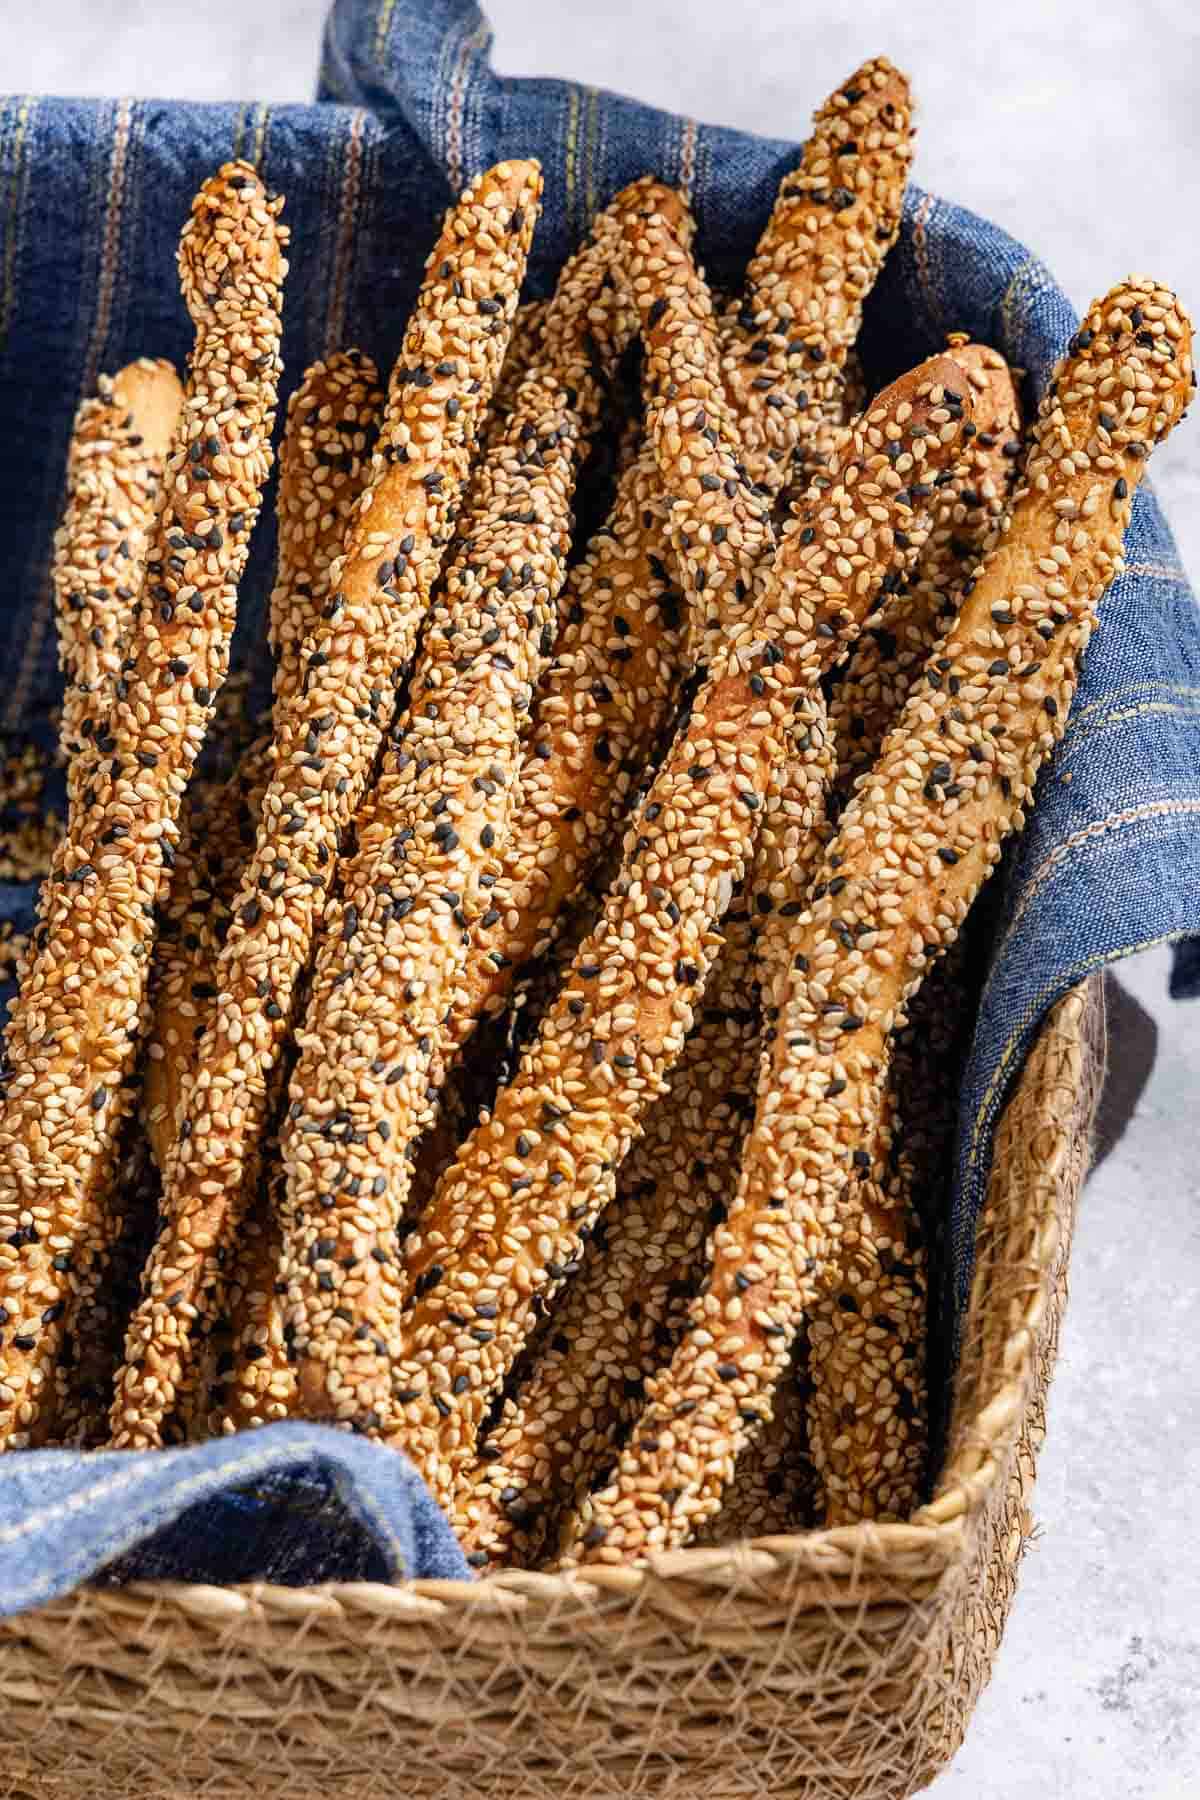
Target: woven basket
[(836, 1663)]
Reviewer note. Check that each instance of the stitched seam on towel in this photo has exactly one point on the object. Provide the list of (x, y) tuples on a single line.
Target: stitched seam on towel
[(349, 210), (257, 153), (591, 142), (925, 281), (1108, 721), (383, 25), (1181, 690), (1088, 834), (14, 232), (1156, 571), (570, 160), (687, 158)]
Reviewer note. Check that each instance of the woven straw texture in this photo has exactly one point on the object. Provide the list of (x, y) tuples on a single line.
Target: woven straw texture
[(836, 1663)]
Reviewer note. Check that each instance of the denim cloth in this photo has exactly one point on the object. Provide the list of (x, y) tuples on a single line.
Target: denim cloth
[(409, 110)]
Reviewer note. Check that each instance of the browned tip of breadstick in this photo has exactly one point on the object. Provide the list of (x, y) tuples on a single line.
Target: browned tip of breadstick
[(506, 190), (842, 205), (835, 217), (997, 403), (826, 577), (876, 90), (152, 394), (968, 515), (233, 238), (1133, 349), (647, 196)]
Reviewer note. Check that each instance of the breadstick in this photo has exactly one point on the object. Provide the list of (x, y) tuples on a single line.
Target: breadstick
[(570, 1418), (524, 347), (920, 836), (962, 519), (835, 219), (967, 520), (607, 695), (506, 1219), (254, 1382), (622, 1313), (114, 472), (602, 703), (424, 866), (908, 1158), (695, 431), (208, 868), (240, 1374), (331, 421), (331, 732), (774, 1491), (80, 1011)]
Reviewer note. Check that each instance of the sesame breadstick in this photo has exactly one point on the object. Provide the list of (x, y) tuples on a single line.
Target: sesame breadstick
[(774, 1491), (919, 838), (967, 520), (774, 1487), (221, 830), (323, 459), (506, 1218), (354, 661), (81, 1008), (695, 432), (254, 1383), (239, 1374), (622, 1313), (607, 694), (114, 473), (836, 217), (870, 1320), (425, 865), (332, 421), (601, 704), (115, 460), (524, 347)]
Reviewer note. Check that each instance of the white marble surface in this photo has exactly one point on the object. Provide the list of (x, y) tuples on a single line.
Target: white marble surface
[(1075, 126)]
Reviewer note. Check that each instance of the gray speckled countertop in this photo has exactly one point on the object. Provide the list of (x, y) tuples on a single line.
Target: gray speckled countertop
[(1077, 128)]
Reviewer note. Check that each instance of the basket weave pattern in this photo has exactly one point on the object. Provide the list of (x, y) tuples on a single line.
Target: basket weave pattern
[(833, 1664)]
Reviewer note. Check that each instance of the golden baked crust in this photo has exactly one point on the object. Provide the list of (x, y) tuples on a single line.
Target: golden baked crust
[(438, 394), (921, 834), (331, 422), (115, 462), (507, 1218), (608, 693), (836, 217), (80, 1011), (426, 861), (968, 517)]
